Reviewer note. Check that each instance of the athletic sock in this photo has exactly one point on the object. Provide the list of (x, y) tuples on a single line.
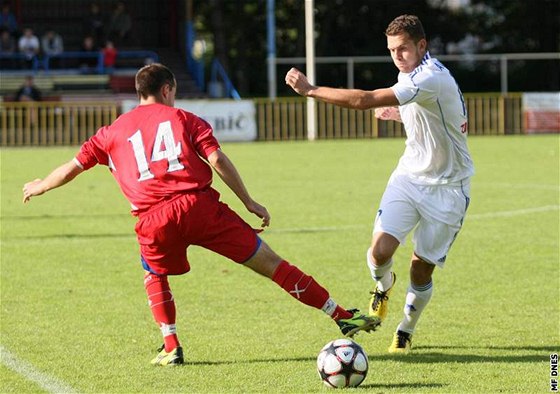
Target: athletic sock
[(382, 274), (306, 290), (417, 297), (162, 306)]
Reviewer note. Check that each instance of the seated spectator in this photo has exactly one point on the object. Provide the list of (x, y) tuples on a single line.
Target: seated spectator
[(8, 19), (29, 46), (28, 91), (109, 57), (120, 24), (7, 47), (94, 23), (89, 64), (52, 45)]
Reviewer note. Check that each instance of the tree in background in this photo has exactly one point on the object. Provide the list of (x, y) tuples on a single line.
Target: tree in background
[(355, 28)]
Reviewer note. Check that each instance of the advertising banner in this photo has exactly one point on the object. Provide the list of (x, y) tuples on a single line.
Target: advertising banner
[(232, 120), (541, 112)]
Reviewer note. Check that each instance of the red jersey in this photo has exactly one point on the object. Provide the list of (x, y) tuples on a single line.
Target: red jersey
[(154, 152)]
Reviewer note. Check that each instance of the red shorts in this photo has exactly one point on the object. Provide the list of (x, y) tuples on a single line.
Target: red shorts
[(198, 218)]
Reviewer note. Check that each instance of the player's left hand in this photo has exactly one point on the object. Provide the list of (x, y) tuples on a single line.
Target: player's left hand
[(32, 188), (259, 210)]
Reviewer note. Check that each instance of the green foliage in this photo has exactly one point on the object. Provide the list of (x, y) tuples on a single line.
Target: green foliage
[(356, 28), (73, 305)]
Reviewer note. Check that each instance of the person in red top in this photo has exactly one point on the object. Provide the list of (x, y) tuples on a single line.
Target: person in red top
[(162, 158), (110, 54)]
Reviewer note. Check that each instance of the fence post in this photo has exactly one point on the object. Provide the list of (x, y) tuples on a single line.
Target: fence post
[(504, 74)]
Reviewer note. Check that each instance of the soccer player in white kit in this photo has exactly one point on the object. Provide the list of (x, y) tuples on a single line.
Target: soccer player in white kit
[(430, 188)]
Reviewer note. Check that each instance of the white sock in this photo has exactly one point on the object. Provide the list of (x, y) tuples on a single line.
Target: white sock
[(417, 297), (330, 307), (381, 274)]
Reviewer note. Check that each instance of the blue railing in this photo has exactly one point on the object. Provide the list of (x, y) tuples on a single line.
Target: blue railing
[(218, 72), (16, 58), (194, 66), (45, 62)]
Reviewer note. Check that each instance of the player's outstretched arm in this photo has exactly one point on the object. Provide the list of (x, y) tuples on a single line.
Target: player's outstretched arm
[(348, 98), (227, 171), (60, 176)]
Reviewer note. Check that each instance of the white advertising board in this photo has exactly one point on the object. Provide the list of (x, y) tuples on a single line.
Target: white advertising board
[(232, 120), (541, 112)]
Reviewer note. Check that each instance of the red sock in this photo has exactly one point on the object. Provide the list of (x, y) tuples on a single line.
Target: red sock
[(162, 305), (306, 290)]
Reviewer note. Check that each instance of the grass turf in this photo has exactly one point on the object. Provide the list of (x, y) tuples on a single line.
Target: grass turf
[(73, 306)]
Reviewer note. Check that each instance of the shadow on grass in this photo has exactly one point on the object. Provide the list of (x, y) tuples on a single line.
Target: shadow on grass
[(65, 216), (131, 234), (417, 386), (546, 348), (421, 356)]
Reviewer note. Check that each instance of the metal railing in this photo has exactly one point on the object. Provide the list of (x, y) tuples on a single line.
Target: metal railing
[(44, 62), (219, 77), (351, 61), (71, 123)]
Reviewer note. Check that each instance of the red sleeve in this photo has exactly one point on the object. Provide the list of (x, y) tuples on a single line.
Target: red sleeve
[(94, 150), (201, 135)]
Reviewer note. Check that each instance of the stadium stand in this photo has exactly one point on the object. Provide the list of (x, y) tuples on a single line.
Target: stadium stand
[(149, 40)]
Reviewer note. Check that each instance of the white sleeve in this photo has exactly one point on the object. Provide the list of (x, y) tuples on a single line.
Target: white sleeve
[(415, 88)]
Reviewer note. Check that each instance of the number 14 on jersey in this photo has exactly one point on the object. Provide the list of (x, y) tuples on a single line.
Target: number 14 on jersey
[(164, 149)]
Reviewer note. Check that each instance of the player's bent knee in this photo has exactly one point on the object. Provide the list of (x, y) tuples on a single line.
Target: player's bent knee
[(421, 272), (383, 247), (265, 261)]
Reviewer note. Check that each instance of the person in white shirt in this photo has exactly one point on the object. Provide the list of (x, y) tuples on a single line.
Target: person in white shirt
[(28, 45), (429, 191)]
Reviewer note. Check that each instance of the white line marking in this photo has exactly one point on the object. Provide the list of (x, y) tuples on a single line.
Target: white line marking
[(469, 217), (533, 186), (516, 212), (48, 383)]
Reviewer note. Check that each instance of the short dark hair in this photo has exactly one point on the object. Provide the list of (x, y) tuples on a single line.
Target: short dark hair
[(409, 24), (151, 78)]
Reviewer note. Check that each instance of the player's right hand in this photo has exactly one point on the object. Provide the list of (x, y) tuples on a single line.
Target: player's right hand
[(298, 81), (32, 188)]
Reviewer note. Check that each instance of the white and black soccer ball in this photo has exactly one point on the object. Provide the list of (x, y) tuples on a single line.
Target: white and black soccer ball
[(342, 363)]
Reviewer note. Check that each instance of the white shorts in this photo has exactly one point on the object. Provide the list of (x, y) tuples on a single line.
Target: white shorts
[(437, 211)]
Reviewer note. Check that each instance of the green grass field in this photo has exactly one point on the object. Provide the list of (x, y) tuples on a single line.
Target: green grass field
[(74, 314)]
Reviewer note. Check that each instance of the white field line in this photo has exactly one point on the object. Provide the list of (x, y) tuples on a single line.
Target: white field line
[(469, 217), (531, 186), (46, 382), (516, 212)]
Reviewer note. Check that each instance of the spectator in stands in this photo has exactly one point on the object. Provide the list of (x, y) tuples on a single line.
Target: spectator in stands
[(28, 91), (109, 57), (29, 46), (7, 43), (8, 20), (120, 24), (52, 45), (89, 64), (7, 47), (94, 23)]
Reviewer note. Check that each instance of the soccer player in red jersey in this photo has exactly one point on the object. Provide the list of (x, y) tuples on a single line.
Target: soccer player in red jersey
[(162, 158)]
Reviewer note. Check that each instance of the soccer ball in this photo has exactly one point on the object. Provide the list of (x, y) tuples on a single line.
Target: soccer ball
[(342, 363)]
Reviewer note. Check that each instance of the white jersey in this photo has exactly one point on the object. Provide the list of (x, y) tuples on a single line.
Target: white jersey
[(434, 115)]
